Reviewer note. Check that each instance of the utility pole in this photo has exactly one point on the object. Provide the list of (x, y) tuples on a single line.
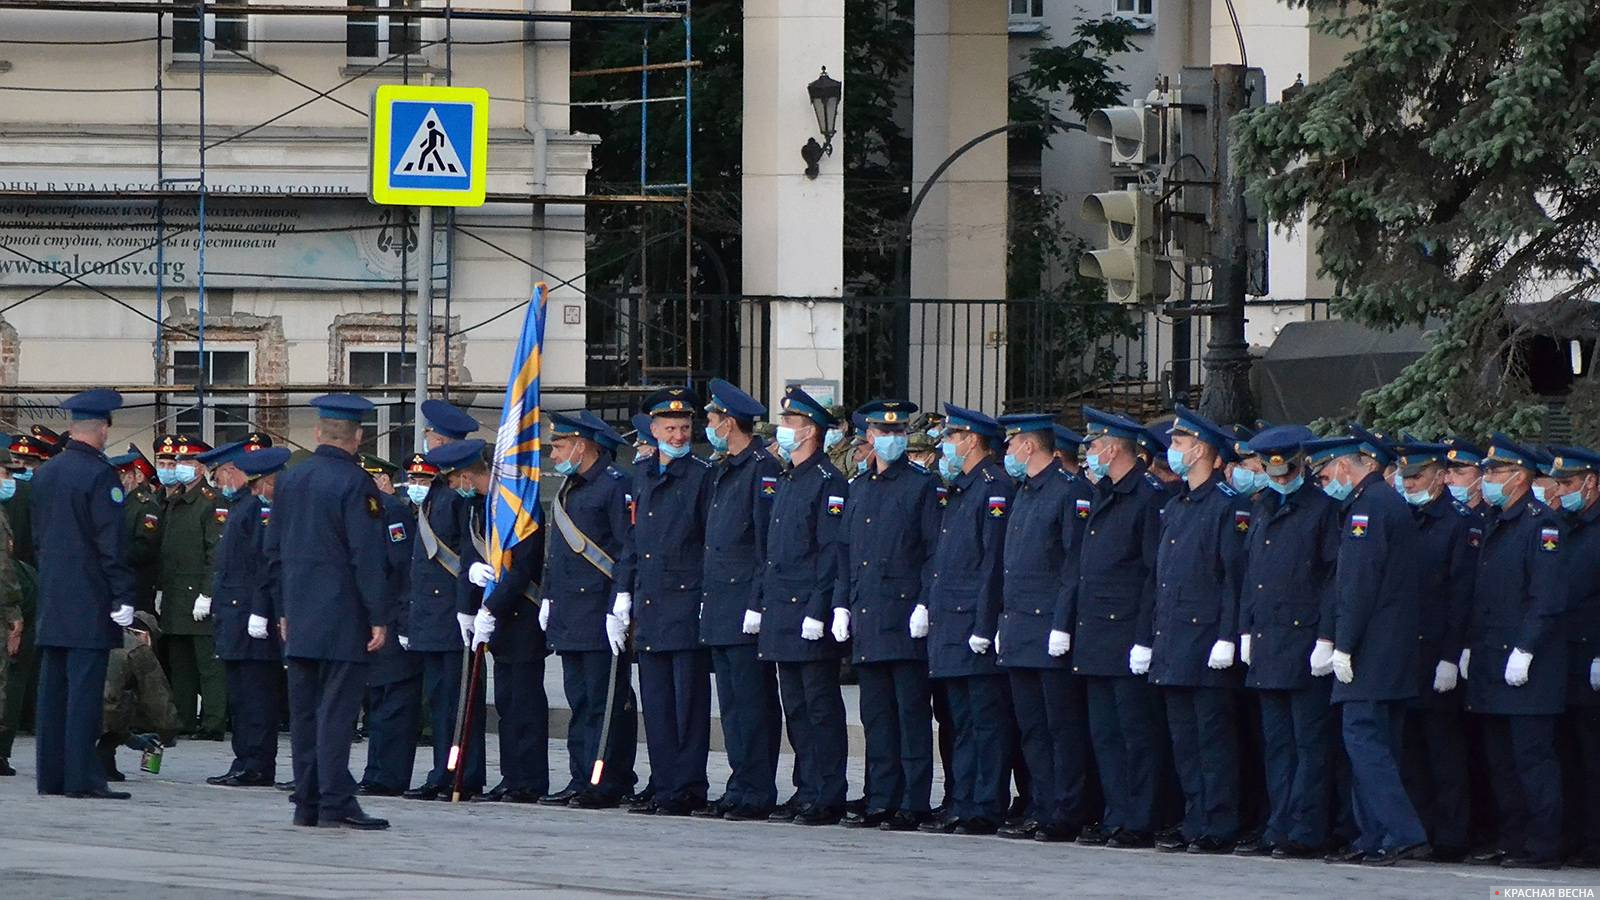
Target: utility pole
[(1226, 395)]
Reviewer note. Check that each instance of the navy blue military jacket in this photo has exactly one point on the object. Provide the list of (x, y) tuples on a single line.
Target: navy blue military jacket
[(891, 530), (517, 636), (743, 487), (431, 620), (1112, 604), (1377, 608), (78, 535), (325, 557), (1449, 535), (1519, 600), (600, 503), (965, 596), (1044, 534), (663, 555), (1199, 570), (240, 568), (805, 551), (1288, 585), (1583, 615), (392, 663)]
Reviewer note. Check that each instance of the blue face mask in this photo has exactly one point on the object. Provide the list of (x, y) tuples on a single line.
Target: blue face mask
[(717, 441), (1016, 468), (567, 467), (1494, 493), (1538, 494), (889, 447), (24, 475), (1417, 498), (467, 492), (672, 453), (1338, 490), (948, 448), (184, 473), (861, 467), (831, 439), (1571, 502), (1286, 489), (788, 439), (162, 475), (417, 493), (228, 493), (1245, 481), (1175, 462), (949, 469), (1461, 493), (1094, 464), (8, 489)]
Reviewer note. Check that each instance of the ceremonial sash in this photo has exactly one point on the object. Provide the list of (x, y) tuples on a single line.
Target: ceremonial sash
[(580, 542)]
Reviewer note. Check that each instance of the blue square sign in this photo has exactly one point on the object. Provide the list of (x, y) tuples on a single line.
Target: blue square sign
[(428, 146)]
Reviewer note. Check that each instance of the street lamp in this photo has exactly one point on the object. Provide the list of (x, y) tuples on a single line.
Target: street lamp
[(825, 93)]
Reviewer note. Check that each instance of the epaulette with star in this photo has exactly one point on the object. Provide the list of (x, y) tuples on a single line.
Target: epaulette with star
[(1462, 510), (615, 473), (1227, 489), (1155, 482)]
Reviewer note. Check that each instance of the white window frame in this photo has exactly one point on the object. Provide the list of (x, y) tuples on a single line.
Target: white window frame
[(245, 401), (1031, 14), (1141, 11), (383, 45), (386, 405), (208, 44)]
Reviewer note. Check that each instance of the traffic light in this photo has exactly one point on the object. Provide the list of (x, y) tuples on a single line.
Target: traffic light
[(1130, 130), (1128, 265)]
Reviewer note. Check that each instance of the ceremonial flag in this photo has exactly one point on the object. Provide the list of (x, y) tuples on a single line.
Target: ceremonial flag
[(513, 500)]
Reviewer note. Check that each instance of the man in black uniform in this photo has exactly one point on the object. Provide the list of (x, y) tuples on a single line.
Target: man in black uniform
[(325, 563), (394, 675)]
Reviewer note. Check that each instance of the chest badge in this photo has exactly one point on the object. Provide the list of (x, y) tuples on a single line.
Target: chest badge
[(1241, 520), (151, 521), (397, 532), (1082, 507), (266, 515), (1474, 537), (1549, 539), (835, 505), (997, 507), (769, 485), (943, 493), (1358, 526), (220, 513)]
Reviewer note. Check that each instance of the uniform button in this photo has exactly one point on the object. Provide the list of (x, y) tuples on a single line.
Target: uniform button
[(794, 599), (1194, 621), (869, 520), (650, 515), (1038, 612), (1261, 587), (1173, 541), (647, 556), (1297, 621), (647, 603), (1158, 632), (1091, 531), (683, 587), (1113, 617), (1268, 542), (863, 563)]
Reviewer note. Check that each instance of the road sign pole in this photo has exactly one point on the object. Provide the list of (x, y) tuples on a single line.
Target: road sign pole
[(424, 316)]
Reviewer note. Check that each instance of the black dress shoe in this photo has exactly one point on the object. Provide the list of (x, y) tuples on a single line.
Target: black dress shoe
[(251, 779), (425, 792), (285, 786), (978, 826), (647, 808), (225, 777), (1210, 845), (1292, 850), (1169, 834), (1487, 858), (5, 767), (99, 794), (1021, 831), (1260, 847), (494, 794), (675, 809), (788, 807), (784, 812), (593, 800), (357, 821), (868, 818), (1055, 834), (745, 814), (377, 790), (858, 805), (1524, 861), (644, 795), (819, 815), (305, 819), (1345, 854), (902, 821), (1392, 855), (521, 795), (712, 810), (939, 825), (1093, 836), (559, 798), (1125, 839), (1171, 844)]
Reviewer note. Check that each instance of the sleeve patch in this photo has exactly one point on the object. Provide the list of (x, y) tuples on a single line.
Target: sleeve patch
[(1474, 537), (397, 532), (1083, 507), (997, 507), (835, 505), (117, 496), (1359, 525), (1549, 539), (266, 515), (943, 494), (1241, 520), (151, 521), (769, 485), (220, 513)]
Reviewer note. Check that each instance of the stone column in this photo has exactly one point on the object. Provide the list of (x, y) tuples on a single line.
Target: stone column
[(793, 225)]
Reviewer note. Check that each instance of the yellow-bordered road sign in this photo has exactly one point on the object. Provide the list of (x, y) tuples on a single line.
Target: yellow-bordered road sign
[(430, 146)]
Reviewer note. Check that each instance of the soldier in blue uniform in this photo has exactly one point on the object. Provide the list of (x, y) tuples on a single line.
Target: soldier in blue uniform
[(964, 601), (662, 564), (891, 528), (1199, 570), (743, 486), (86, 596), (1044, 532), (1288, 590), (805, 551), (1374, 657), (1435, 745), (325, 567), (591, 516), (394, 677), (1464, 476), (507, 620), (1067, 443), (1515, 658), (1109, 617), (437, 625), (252, 664)]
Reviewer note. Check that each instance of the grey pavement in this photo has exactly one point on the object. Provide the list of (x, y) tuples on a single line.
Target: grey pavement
[(180, 838)]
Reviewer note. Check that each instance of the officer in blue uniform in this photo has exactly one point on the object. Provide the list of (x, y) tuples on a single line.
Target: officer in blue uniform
[(964, 602), (394, 677), (1199, 569), (1373, 656), (1515, 657), (437, 625), (252, 664), (1435, 748), (805, 551), (325, 563), (662, 562), (1464, 477), (1044, 533), (591, 517), (891, 528), (507, 620), (1288, 590), (1067, 443), (86, 596), (1109, 617), (1575, 472), (744, 484)]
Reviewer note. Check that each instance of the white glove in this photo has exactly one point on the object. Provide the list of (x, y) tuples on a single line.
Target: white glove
[(123, 615), (978, 645), (1517, 667), (1466, 656), (482, 628), (1322, 658), (622, 607), (1594, 675), (919, 621), (1139, 659), (997, 642), (616, 635), (752, 622), (1341, 667), (202, 607), (1444, 677), (480, 574), (544, 614), (257, 627), (465, 621), (841, 625), (1060, 643), (405, 642), (1221, 655), (1244, 649), (811, 629)]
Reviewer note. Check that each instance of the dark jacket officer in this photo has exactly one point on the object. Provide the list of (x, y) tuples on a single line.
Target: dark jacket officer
[(662, 556), (393, 662), (1582, 550), (965, 595), (434, 593), (805, 551), (240, 570), (743, 487), (891, 529), (1044, 535), (1448, 535), (1199, 570), (600, 503)]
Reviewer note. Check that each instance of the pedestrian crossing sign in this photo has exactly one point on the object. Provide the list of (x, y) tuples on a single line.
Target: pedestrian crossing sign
[(430, 146)]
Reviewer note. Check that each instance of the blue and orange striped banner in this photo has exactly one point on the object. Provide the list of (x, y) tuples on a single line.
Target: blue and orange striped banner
[(513, 499)]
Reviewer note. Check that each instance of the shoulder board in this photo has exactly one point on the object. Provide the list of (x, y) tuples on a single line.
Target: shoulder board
[(1067, 475), (759, 452), (825, 472), (704, 464), (1461, 509), (988, 475), (1227, 489), (615, 473), (1154, 481), (208, 493), (1535, 509)]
